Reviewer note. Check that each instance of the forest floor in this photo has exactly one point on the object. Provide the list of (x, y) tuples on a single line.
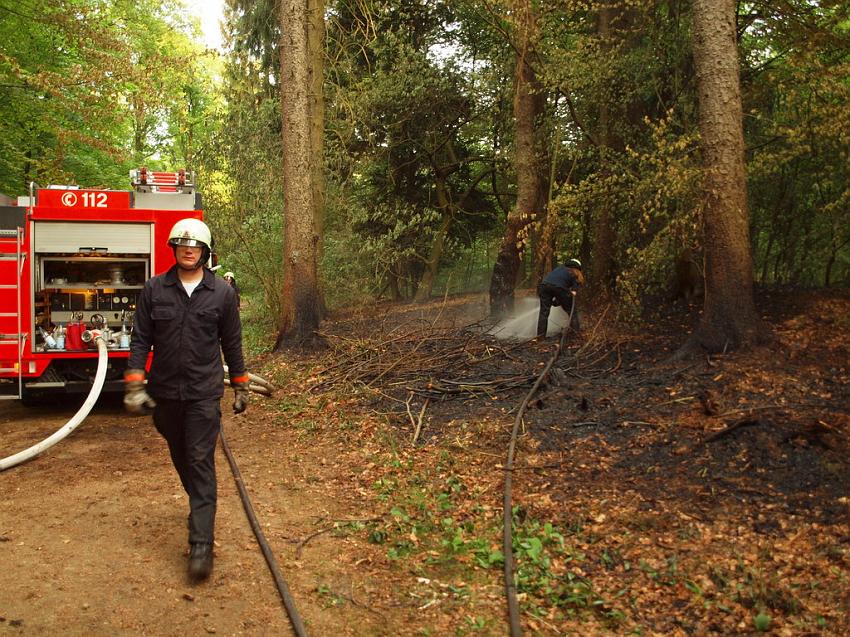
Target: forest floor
[(651, 497)]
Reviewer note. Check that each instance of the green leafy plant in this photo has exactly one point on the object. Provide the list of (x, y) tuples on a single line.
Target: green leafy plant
[(762, 622)]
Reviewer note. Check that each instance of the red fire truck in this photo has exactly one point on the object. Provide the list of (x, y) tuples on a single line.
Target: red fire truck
[(74, 259)]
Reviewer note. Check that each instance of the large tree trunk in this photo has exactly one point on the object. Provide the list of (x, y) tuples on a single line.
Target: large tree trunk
[(316, 52), (729, 318), (300, 304), (529, 101)]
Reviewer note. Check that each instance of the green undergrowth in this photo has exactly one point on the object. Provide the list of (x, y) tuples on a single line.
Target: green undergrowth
[(442, 526), (258, 329)]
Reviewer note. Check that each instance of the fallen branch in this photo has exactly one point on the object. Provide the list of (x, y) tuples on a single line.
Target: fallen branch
[(301, 544), (419, 423), (746, 422)]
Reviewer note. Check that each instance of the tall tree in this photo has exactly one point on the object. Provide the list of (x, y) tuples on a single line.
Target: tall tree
[(529, 102), (301, 302), (316, 56), (604, 234), (729, 318)]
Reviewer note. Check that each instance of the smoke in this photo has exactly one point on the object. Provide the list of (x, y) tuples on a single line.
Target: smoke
[(522, 324)]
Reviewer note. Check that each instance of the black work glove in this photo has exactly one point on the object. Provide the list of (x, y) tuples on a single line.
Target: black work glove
[(136, 400), (240, 393)]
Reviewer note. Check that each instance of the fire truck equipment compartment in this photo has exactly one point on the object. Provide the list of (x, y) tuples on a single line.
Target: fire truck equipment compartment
[(71, 238)]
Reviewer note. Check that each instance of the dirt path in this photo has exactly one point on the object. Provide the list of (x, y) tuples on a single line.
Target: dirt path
[(92, 533)]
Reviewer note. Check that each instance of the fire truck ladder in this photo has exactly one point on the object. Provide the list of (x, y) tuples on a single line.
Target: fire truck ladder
[(17, 338)]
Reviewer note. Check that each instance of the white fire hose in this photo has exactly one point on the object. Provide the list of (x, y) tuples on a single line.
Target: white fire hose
[(258, 384), (67, 428)]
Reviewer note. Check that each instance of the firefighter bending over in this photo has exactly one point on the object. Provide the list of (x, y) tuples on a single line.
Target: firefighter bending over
[(558, 288), (189, 316)]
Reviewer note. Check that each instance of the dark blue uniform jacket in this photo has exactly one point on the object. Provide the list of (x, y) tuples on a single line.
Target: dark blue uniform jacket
[(188, 335), (562, 277)]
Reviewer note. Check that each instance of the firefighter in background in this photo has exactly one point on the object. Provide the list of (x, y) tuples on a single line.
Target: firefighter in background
[(559, 288), (231, 280), (189, 317)]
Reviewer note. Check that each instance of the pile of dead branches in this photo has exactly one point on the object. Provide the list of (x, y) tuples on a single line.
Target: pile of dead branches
[(426, 360), (419, 358)]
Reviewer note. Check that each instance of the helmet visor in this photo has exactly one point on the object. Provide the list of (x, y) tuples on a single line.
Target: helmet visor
[(188, 243)]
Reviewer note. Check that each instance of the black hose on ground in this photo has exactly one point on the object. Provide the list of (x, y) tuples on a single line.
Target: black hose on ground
[(282, 588), (507, 508)]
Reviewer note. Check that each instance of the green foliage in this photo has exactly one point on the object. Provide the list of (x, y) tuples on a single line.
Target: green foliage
[(654, 193), (419, 107), (433, 521), (419, 133), (542, 571), (88, 88), (405, 142), (258, 326), (245, 202), (799, 122)]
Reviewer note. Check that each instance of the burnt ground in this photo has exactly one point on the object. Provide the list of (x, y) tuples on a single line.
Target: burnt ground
[(699, 497)]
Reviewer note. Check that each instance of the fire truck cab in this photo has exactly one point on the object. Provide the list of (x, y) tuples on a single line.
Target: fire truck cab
[(74, 259)]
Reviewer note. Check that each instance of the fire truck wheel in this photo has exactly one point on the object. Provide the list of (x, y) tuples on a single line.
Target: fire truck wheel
[(30, 398)]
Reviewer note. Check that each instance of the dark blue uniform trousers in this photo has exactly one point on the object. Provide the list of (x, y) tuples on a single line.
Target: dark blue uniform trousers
[(191, 428)]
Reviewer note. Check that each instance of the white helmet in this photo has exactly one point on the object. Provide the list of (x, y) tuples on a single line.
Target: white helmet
[(229, 275), (191, 233)]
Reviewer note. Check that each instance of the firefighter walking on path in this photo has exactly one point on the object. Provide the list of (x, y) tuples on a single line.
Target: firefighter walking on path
[(189, 317), (558, 288)]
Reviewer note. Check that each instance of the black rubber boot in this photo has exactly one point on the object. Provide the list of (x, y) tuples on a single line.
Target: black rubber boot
[(200, 562)]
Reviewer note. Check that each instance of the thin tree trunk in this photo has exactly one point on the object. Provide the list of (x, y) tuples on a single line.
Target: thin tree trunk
[(802, 250), (827, 273), (835, 248), (426, 283), (604, 236), (544, 258), (392, 282), (783, 206), (771, 237)]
